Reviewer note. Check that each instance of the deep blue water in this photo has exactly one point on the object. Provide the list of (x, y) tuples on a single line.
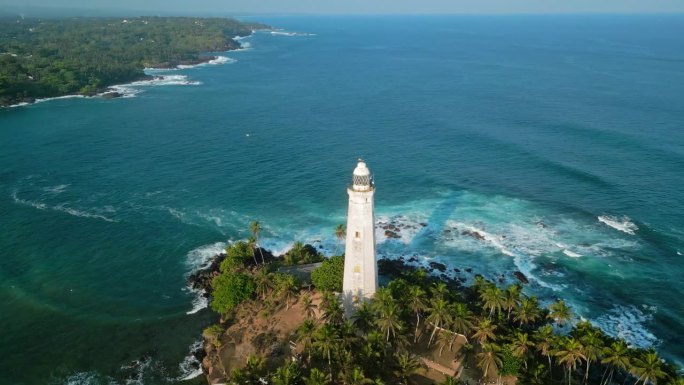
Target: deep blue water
[(527, 129)]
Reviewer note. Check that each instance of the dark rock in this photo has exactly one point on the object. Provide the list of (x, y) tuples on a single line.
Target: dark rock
[(413, 259), (438, 266), (469, 270), (456, 269), (112, 95), (391, 234), (521, 277), (475, 234), (423, 224)]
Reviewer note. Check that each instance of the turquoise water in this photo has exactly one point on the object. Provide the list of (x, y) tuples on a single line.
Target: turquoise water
[(559, 139)]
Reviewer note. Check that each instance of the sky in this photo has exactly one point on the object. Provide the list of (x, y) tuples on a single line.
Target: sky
[(221, 7)]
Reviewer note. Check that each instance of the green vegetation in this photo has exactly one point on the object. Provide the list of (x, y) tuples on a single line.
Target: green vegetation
[(46, 58), (328, 276), (301, 254), (494, 332), (231, 289)]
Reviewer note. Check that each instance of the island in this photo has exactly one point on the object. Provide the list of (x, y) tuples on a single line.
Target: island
[(281, 321), (42, 58)]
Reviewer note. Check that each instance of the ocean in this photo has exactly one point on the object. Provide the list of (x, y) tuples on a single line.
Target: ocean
[(559, 139)]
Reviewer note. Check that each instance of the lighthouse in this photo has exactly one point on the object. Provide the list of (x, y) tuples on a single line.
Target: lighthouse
[(360, 264)]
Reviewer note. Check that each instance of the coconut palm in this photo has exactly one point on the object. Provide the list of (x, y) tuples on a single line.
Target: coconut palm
[(364, 317), (520, 346), (569, 354), (560, 313), (616, 356), (489, 358), (484, 331), (417, 303), (444, 339), (460, 321), (389, 321), (648, 368), (316, 377), (439, 315), (340, 233), (544, 340), (264, 281), (288, 374), (305, 336), (325, 342), (356, 377), (308, 306), (382, 299), (528, 311), (593, 349), (492, 299), (251, 245), (288, 289), (255, 228), (511, 299), (406, 366), (439, 290)]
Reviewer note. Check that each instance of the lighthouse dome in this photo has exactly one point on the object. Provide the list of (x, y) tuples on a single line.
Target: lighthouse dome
[(361, 180)]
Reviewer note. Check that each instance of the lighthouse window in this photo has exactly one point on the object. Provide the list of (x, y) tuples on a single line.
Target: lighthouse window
[(358, 235)]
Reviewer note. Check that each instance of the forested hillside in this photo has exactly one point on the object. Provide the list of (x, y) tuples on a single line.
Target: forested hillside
[(45, 58)]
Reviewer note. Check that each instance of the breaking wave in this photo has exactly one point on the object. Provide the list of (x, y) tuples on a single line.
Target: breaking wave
[(623, 224), (190, 367), (61, 207), (629, 323)]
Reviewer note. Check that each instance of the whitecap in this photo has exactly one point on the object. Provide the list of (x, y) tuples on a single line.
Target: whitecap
[(623, 223), (218, 60), (42, 100), (570, 253), (200, 258), (629, 323), (56, 189), (190, 367), (83, 378), (37, 205), (199, 302), (80, 213)]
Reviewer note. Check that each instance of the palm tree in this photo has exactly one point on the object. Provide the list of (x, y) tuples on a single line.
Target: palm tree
[(255, 228), (264, 281), (363, 318), (492, 299), (295, 254), (308, 306), (648, 368), (528, 311), (288, 374), (460, 321), (417, 304), (388, 321), (340, 233), (316, 377), (251, 244), (511, 299), (288, 289), (332, 311), (616, 356), (484, 331), (593, 349), (439, 290), (406, 366), (356, 377), (325, 342), (439, 315), (305, 336), (382, 298), (444, 339), (559, 312), (347, 333), (520, 346), (569, 353), (489, 358), (544, 339)]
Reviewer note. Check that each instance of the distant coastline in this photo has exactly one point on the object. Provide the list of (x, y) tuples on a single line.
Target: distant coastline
[(89, 57)]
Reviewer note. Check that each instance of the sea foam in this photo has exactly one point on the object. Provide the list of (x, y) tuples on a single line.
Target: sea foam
[(623, 223), (190, 367)]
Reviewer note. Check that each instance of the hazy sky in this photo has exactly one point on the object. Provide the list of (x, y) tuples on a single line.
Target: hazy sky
[(361, 6)]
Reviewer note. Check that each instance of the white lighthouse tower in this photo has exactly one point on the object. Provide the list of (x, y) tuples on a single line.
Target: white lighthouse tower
[(360, 265)]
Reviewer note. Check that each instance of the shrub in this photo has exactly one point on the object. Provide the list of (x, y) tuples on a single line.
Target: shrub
[(231, 289), (236, 255), (510, 365), (329, 275)]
